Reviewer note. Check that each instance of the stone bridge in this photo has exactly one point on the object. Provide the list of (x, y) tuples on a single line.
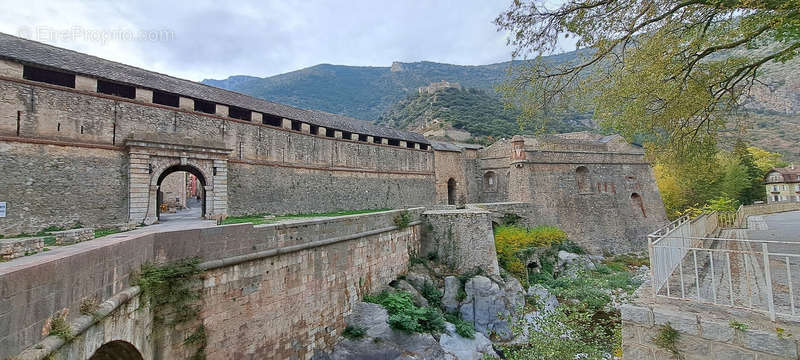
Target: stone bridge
[(267, 291)]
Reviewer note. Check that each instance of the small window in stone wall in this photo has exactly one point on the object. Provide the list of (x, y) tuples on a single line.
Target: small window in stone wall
[(347, 135), (394, 142), (314, 129), (330, 132), (582, 179), (165, 98), (296, 125), (489, 182), (235, 112), (423, 146), (377, 139), (272, 120), (636, 202), (205, 106), (362, 137), (48, 76), (410, 144), (111, 88)]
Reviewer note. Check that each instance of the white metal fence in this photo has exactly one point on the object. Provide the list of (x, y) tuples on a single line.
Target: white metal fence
[(669, 245), (688, 263)]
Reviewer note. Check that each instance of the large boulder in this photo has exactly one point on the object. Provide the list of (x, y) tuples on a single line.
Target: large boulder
[(487, 308), (465, 348), (545, 301), (570, 264), (419, 279), (515, 294), (450, 299)]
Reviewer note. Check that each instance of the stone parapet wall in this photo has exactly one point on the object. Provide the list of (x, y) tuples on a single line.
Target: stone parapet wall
[(336, 258), (18, 247), (701, 336), (583, 157), (762, 209)]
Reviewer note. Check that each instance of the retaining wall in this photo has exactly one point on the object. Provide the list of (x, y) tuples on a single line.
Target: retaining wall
[(702, 335)]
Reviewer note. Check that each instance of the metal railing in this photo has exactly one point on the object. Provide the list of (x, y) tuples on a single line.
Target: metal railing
[(750, 274), (673, 240), (687, 262)]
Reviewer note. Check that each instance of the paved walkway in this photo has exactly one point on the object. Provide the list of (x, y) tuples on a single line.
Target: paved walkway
[(181, 222)]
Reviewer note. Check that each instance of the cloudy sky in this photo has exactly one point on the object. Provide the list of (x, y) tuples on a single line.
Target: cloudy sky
[(205, 39)]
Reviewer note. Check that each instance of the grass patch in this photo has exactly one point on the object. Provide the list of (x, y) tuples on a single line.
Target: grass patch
[(591, 287), (49, 240), (667, 339), (88, 306), (405, 316), (105, 232), (258, 219), (60, 327)]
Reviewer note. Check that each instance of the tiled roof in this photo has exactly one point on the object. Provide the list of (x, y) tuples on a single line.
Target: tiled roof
[(35, 53), (789, 174), (445, 146)]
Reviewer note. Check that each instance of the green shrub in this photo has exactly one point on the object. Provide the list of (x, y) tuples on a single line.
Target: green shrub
[(403, 219), (354, 332), (405, 316), (512, 241), (738, 325), (60, 327), (432, 294), (433, 256), (49, 240), (171, 285), (463, 328)]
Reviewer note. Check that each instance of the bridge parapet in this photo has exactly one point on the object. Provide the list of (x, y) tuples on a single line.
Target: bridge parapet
[(299, 278)]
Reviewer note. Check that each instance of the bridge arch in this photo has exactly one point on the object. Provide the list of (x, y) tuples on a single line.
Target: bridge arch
[(117, 350)]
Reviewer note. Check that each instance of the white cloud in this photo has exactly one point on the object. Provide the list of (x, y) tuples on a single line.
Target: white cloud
[(213, 39)]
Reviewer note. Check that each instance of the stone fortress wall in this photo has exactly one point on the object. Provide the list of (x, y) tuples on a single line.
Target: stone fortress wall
[(600, 190), (65, 157)]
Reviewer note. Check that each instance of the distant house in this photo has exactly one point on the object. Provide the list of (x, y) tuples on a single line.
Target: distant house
[(783, 184)]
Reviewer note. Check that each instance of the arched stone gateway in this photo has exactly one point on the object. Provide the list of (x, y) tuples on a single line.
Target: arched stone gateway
[(117, 350), (153, 157), (178, 168)]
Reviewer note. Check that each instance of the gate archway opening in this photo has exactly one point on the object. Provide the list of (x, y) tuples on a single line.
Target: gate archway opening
[(181, 193), (117, 350), (451, 191)]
